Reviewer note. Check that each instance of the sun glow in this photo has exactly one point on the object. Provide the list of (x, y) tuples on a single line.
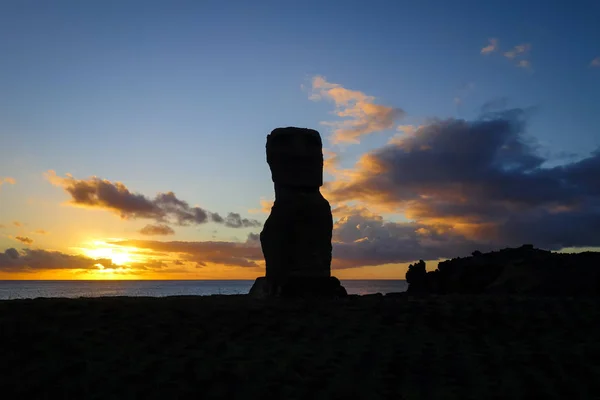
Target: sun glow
[(116, 254)]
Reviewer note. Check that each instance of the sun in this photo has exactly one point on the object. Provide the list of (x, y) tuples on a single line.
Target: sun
[(102, 250)]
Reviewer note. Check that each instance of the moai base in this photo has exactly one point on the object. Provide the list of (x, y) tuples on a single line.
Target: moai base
[(296, 238)]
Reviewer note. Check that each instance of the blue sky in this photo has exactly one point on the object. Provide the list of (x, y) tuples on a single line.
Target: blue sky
[(179, 96)]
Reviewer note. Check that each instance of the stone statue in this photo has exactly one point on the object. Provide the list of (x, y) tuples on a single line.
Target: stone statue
[(296, 238)]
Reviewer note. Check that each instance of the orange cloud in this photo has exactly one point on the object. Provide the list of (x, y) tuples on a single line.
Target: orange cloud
[(330, 161), (491, 47), (17, 224), (405, 130), (265, 207), (361, 116), (347, 210), (40, 232), (240, 254), (8, 180)]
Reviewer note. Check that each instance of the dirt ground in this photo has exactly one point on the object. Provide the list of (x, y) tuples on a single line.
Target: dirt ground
[(234, 347)]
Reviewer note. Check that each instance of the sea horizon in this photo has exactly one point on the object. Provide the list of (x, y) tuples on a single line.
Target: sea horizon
[(75, 288), (182, 280)]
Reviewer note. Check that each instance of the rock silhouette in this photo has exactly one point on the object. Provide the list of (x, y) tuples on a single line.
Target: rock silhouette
[(296, 238), (523, 270)]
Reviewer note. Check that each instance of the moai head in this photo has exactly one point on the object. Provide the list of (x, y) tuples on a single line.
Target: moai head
[(295, 157)]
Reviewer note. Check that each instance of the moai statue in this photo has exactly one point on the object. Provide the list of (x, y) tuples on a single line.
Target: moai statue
[(296, 238)]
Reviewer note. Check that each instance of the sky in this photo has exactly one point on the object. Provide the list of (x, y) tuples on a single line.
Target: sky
[(133, 132)]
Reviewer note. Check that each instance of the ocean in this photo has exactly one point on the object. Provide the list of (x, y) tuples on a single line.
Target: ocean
[(33, 289)]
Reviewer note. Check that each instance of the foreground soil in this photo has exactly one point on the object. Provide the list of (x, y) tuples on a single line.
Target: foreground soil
[(233, 347)]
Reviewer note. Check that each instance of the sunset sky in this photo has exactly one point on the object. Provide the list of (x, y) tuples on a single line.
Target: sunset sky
[(133, 132)]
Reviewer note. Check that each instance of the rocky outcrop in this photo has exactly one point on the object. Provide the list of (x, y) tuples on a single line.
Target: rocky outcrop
[(523, 270), (296, 238)]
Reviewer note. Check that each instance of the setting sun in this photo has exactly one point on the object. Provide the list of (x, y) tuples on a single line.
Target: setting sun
[(117, 255)]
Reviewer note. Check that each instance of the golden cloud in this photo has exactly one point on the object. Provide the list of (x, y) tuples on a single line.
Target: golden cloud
[(361, 116)]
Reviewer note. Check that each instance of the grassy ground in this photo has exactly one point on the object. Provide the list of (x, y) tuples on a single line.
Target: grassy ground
[(234, 347)]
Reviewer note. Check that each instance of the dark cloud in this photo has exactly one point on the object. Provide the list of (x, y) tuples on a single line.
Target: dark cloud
[(31, 260), (483, 181), (364, 239), (24, 240), (157, 230), (254, 237), (241, 254), (34, 259), (235, 220), (116, 197), (12, 253)]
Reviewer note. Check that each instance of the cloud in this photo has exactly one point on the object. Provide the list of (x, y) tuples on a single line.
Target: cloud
[(40, 232), (595, 62), (235, 220), (491, 47), (463, 92), (365, 239), (254, 238), (361, 116), (515, 54), (477, 183), (157, 230), (163, 208), (34, 259), (265, 207), (240, 254), (7, 180), (518, 50), (331, 162), (524, 64), (17, 224), (24, 240)]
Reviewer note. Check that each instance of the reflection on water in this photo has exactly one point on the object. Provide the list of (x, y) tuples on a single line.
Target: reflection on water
[(33, 289)]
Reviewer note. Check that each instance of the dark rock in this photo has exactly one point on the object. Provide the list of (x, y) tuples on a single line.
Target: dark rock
[(312, 287), (296, 238), (372, 295), (524, 270), (260, 288), (395, 294), (416, 277)]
